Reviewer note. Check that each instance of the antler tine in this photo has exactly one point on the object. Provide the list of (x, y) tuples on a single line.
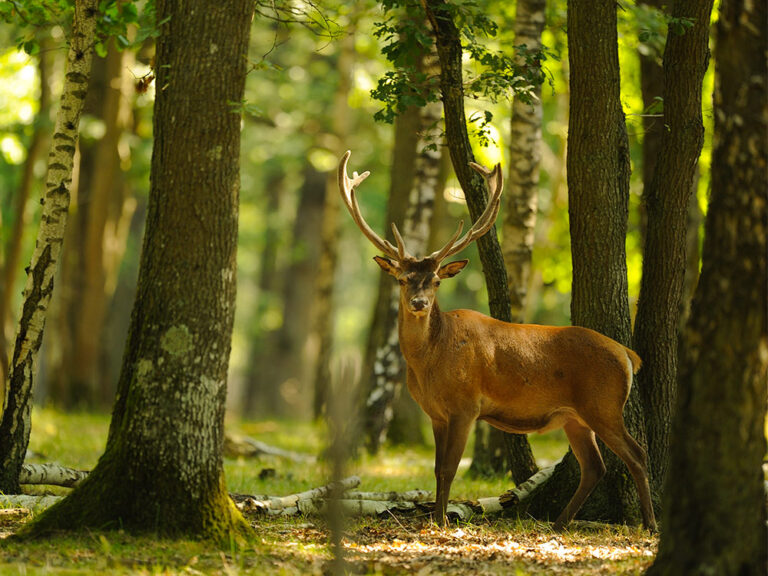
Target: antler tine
[(347, 190), (401, 252), (485, 222)]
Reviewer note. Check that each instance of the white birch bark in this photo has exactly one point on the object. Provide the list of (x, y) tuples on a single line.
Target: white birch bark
[(389, 366), (15, 426), (524, 160)]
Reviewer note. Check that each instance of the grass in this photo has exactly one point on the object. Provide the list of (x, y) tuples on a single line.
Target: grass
[(300, 545)]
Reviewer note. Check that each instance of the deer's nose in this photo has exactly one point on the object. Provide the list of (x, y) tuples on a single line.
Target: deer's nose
[(419, 303)]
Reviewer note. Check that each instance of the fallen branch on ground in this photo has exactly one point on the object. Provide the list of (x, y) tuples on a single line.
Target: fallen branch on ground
[(236, 445), (275, 504), (51, 475), (354, 504)]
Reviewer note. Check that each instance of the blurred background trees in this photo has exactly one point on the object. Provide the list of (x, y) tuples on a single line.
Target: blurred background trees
[(319, 76)]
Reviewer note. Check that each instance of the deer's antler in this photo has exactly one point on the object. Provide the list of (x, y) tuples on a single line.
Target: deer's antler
[(347, 187), (484, 223)]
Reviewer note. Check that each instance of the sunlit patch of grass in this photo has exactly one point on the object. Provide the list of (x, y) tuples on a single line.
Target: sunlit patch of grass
[(299, 545)]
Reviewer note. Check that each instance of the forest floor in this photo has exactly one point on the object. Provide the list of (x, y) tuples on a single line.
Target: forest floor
[(300, 545)]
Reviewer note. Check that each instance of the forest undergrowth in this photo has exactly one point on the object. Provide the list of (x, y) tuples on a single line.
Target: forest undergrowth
[(300, 545)]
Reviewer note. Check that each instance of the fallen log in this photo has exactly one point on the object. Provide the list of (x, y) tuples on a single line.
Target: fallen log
[(236, 445), (272, 504), (51, 475), (353, 504)]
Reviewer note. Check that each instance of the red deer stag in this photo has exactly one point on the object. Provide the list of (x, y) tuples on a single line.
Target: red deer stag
[(464, 366)]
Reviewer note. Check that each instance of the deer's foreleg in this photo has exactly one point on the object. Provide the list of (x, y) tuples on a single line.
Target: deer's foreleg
[(450, 440)]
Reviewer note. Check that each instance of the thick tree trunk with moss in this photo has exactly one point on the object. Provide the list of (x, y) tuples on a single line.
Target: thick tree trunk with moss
[(598, 182), (718, 435), (667, 203), (449, 51), (15, 426), (162, 468)]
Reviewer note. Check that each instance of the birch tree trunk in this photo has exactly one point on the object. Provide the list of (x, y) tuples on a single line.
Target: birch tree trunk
[(400, 184), (15, 425), (162, 468), (40, 135), (718, 434), (511, 452), (389, 366)]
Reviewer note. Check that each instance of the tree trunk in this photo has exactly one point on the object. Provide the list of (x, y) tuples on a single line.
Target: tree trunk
[(651, 89), (521, 208), (12, 252), (93, 239), (389, 368), (162, 468), (15, 426), (400, 184), (451, 86), (329, 237), (664, 259), (388, 376), (280, 373), (267, 288), (718, 434), (598, 182)]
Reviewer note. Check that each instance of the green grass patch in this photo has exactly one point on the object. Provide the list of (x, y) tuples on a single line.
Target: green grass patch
[(298, 545)]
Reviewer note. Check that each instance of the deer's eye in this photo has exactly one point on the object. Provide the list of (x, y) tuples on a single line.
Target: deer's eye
[(437, 283)]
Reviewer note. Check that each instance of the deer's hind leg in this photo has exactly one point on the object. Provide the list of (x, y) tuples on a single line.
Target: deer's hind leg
[(625, 447), (584, 446)]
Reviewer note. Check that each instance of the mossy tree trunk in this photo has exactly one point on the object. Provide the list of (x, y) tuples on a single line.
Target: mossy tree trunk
[(15, 426), (598, 183), (686, 58), (714, 515), (162, 469)]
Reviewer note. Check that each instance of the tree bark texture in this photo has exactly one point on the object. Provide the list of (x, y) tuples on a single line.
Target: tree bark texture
[(15, 426), (449, 51), (162, 468), (718, 434), (389, 366), (524, 159), (95, 238), (37, 143), (598, 183), (651, 89), (400, 183), (686, 58)]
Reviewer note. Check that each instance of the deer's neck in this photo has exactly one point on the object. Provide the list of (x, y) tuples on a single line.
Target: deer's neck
[(418, 333)]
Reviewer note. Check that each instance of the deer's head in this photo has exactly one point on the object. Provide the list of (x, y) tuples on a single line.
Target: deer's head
[(420, 278)]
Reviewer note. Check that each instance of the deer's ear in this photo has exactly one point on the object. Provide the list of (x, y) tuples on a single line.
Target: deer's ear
[(451, 269), (389, 266)]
